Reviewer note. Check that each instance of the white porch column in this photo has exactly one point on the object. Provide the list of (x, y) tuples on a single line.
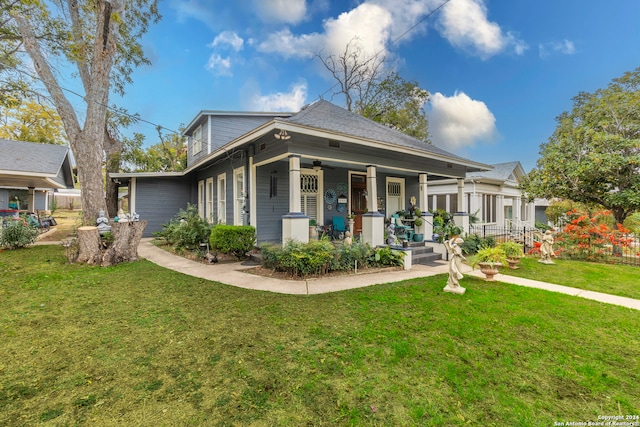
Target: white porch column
[(531, 214), (461, 207), (31, 199), (500, 219), (517, 210), (423, 202), (295, 224), (372, 220), (461, 218)]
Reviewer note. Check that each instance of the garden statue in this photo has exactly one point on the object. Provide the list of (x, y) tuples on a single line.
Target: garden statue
[(103, 223), (347, 238), (455, 261), (546, 248), (135, 216), (122, 217), (391, 234)]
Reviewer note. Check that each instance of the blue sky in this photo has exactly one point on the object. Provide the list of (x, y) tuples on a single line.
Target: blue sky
[(499, 72)]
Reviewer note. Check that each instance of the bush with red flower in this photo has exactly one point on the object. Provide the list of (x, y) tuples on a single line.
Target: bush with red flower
[(594, 237)]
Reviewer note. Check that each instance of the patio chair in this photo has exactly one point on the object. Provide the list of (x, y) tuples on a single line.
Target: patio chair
[(402, 230), (338, 227)]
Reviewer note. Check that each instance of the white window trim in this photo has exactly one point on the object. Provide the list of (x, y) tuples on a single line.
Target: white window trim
[(222, 198), (209, 200), (201, 201), (320, 197), (238, 202), (196, 147)]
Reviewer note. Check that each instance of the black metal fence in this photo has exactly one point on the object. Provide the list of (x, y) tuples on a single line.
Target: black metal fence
[(623, 249)]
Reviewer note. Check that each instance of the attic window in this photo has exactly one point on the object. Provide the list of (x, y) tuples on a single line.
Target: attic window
[(334, 144), (197, 141)]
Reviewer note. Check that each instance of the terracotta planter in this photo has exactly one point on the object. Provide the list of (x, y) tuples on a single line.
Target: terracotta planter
[(513, 263), (489, 269)]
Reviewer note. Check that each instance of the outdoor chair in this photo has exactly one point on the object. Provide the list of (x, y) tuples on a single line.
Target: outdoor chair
[(402, 230), (338, 227)]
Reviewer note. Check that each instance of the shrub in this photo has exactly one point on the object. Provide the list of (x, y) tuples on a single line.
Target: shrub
[(233, 239), (473, 243), (18, 235), (186, 230), (348, 255), (385, 256), (592, 237), (300, 259), (512, 249)]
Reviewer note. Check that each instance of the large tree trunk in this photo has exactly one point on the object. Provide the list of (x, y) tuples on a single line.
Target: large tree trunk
[(112, 149), (89, 245), (124, 248), (125, 245)]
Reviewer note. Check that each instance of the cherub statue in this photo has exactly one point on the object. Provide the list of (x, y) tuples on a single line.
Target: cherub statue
[(455, 260), (347, 238), (546, 247), (391, 234), (103, 223)]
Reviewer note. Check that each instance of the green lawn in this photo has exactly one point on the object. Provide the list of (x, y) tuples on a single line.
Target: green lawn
[(138, 345), (612, 279)]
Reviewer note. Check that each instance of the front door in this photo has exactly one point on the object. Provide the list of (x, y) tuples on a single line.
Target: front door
[(358, 200)]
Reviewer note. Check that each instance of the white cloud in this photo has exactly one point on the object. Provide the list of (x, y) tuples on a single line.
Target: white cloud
[(458, 121), (281, 101), (193, 9), (281, 11), (288, 45), (376, 23), (228, 38), (564, 47), (219, 65), (370, 23), (464, 23)]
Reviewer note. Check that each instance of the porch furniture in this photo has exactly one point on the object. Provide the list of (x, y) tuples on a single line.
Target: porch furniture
[(338, 227), (401, 229)]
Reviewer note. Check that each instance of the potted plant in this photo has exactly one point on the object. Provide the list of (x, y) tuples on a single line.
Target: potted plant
[(489, 259), (514, 253), (418, 237)]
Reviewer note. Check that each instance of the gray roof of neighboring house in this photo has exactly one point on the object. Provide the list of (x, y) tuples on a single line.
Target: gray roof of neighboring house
[(325, 115), (28, 159), (500, 172)]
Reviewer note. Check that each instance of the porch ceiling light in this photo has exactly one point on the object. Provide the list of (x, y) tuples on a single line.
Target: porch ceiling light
[(282, 135)]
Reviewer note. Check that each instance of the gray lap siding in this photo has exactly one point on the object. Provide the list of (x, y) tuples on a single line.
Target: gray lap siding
[(158, 200)]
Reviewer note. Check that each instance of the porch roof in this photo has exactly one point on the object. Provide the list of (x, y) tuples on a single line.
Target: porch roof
[(29, 164)]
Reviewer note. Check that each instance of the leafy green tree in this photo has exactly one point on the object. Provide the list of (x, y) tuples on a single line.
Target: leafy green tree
[(99, 40), (397, 103), (593, 156), (376, 93), (169, 155), (32, 122)]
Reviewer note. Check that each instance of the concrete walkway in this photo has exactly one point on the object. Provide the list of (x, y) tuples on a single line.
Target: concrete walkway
[(232, 274)]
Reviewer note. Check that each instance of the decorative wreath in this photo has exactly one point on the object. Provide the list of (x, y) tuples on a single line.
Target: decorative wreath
[(330, 196)]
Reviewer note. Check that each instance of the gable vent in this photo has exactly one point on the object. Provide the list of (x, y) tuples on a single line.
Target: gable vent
[(334, 144)]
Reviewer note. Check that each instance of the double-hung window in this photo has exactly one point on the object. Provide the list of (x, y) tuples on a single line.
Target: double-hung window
[(196, 146)]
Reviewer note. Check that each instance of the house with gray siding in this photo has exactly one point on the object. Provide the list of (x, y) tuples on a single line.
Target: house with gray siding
[(493, 196), (275, 171), (30, 173)]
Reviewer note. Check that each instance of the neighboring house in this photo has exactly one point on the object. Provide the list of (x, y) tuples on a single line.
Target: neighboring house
[(493, 196), (275, 171), (30, 172)]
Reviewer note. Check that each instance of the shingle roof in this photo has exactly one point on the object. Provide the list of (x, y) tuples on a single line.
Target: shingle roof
[(327, 116), (500, 172), (31, 157)]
